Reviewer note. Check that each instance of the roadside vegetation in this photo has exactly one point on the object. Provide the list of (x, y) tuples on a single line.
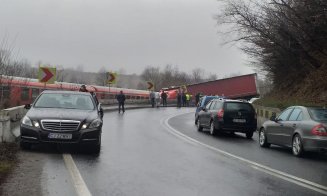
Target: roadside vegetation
[(287, 42)]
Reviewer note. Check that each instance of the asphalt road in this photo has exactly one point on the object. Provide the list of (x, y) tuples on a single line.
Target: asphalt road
[(159, 152)]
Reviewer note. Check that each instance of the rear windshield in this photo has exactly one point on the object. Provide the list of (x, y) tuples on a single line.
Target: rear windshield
[(206, 101), (318, 114), (68, 101), (235, 106)]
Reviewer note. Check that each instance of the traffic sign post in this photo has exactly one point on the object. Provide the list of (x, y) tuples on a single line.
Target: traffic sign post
[(150, 85), (47, 75), (112, 78)]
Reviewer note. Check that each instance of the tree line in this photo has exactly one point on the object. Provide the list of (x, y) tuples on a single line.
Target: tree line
[(286, 40)]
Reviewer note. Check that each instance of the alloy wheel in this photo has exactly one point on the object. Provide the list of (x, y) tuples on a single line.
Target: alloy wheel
[(297, 146)]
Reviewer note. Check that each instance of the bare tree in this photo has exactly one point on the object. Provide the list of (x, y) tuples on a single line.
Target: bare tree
[(285, 38)]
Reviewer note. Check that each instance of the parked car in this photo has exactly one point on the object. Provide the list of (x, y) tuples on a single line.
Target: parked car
[(63, 117), (202, 103), (228, 115), (301, 128)]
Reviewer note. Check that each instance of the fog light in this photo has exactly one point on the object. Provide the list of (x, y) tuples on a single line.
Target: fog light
[(84, 126)]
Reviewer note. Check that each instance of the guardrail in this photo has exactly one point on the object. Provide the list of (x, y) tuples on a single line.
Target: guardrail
[(264, 114), (9, 119)]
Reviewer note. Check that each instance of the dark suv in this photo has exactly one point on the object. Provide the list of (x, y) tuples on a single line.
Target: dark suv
[(228, 115)]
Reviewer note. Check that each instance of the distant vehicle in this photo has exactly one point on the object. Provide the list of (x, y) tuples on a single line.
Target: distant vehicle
[(63, 117), (301, 128), (202, 103), (238, 87), (228, 115)]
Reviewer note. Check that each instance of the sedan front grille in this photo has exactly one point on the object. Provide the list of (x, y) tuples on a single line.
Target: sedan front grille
[(60, 125)]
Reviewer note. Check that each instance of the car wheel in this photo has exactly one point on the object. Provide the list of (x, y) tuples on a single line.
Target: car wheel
[(212, 128), (249, 134), (297, 146), (263, 139), (200, 128), (25, 145), (196, 121)]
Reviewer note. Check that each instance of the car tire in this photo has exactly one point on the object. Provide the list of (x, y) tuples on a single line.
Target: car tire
[(213, 130), (249, 134), (263, 139), (25, 145), (196, 121), (297, 146), (199, 127)]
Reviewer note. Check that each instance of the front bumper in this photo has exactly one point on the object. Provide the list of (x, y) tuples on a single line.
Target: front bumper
[(315, 143), (37, 135)]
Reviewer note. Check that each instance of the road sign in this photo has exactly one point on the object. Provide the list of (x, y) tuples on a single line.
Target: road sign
[(47, 75), (150, 85), (112, 78)]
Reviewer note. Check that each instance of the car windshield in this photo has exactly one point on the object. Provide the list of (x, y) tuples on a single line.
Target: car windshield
[(235, 106), (318, 114), (64, 100)]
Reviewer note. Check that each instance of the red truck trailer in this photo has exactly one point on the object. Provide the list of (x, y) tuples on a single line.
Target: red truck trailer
[(238, 87)]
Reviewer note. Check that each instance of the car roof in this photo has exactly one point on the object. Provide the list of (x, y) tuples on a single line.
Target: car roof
[(65, 92), (231, 100)]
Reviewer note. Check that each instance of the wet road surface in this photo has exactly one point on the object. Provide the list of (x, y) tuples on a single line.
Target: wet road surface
[(141, 155)]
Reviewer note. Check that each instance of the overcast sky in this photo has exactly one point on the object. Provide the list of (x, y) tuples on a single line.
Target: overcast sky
[(120, 34)]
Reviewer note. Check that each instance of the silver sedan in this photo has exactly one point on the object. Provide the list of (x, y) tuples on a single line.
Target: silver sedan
[(301, 128)]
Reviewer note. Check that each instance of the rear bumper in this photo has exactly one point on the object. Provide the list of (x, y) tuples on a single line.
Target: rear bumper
[(315, 143), (35, 135), (243, 128)]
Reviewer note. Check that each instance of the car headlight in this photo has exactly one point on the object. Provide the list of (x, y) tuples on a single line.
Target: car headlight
[(96, 123), (36, 124), (27, 121)]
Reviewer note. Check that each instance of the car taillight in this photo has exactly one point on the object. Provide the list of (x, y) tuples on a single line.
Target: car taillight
[(220, 113), (319, 130)]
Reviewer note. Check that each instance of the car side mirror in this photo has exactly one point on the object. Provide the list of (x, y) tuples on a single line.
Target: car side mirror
[(99, 106), (273, 117), (27, 106), (204, 109)]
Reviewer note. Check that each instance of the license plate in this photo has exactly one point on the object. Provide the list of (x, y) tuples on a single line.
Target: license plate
[(239, 120), (63, 136)]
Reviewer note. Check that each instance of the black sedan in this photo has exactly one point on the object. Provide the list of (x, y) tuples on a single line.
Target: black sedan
[(63, 117), (301, 128)]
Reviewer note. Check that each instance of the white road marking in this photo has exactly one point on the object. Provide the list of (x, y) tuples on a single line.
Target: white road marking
[(288, 177), (79, 184)]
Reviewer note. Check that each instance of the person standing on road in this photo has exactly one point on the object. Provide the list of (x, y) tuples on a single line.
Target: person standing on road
[(83, 88), (179, 98), (197, 99), (184, 99), (152, 98), (187, 99), (121, 101), (157, 96), (164, 98)]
